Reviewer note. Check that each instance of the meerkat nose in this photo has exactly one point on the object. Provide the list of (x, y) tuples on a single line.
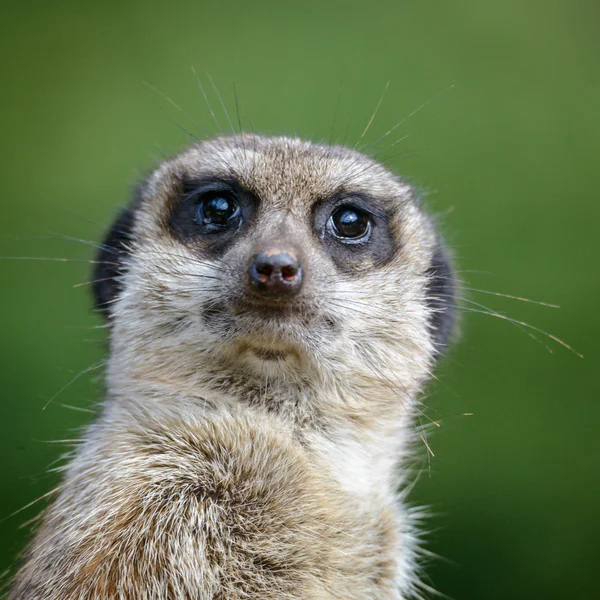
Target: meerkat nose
[(275, 273)]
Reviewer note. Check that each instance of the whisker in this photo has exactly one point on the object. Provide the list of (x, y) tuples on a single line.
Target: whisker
[(528, 326), (78, 408), (68, 238), (89, 369), (387, 85), (511, 297), (237, 108), (92, 282), (409, 116), (398, 141), (173, 103), (206, 99), (222, 103), (178, 125), (347, 131), (489, 310), (30, 504), (55, 259)]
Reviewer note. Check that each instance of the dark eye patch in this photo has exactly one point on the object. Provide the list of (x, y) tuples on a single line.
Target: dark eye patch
[(370, 241), (209, 213)]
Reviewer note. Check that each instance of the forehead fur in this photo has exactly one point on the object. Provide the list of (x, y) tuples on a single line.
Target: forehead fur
[(282, 169)]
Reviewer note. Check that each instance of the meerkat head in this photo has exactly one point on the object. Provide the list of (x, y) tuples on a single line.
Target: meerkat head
[(274, 259)]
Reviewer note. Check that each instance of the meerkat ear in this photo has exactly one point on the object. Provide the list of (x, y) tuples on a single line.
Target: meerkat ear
[(110, 261), (441, 297)]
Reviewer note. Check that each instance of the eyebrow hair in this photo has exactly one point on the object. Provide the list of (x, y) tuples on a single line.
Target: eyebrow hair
[(369, 203), (209, 183)]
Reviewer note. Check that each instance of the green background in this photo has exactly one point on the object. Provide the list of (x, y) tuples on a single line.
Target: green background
[(507, 149)]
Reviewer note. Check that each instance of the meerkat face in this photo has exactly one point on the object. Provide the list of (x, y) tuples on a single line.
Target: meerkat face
[(275, 257)]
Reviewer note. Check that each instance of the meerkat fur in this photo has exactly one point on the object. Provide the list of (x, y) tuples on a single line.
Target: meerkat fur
[(249, 449)]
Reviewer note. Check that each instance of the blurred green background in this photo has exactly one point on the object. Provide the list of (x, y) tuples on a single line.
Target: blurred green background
[(509, 156)]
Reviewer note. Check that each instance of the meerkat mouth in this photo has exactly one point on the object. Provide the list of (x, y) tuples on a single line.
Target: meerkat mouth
[(269, 354)]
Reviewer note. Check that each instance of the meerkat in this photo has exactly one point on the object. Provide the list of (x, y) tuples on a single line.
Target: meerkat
[(275, 308)]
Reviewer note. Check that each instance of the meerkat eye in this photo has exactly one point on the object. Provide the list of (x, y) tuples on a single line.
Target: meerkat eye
[(350, 224), (217, 209)]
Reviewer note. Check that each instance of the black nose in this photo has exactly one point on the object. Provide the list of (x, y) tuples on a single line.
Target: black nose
[(275, 274)]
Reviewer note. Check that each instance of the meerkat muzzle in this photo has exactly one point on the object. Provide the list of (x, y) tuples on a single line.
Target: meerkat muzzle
[(275, 274)]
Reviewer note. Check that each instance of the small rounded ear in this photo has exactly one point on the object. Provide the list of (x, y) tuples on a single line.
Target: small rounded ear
[(441, 289), (110, 261)]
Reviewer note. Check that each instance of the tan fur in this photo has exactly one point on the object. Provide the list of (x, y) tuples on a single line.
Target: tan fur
[(214, 474)]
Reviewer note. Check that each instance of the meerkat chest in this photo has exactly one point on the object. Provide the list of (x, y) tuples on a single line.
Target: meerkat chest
[(363, 467)]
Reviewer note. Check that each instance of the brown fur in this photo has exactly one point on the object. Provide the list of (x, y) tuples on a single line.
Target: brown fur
[(245, 456)]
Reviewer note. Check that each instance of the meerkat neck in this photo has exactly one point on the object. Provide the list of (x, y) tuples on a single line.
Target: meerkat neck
[(363, 439), (314, 401)]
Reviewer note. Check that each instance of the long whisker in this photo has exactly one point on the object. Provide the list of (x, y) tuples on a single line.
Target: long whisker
[(79, 408), (92, 367), (387, 85), (206, 99), (525, 327), (489, 310), (409, 116), (511, 297), (148, 252), (91, 282), (528, 326), (398, 141), (173, 103), (178, 125), (222, 103), (28, 505), (517, 323), (60, 259), (237, 108), (68, 238)]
